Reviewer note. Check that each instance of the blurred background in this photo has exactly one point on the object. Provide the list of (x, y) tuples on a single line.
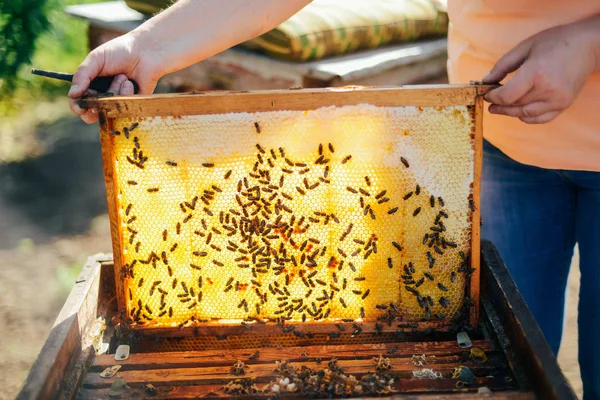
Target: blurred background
[(52, 195)]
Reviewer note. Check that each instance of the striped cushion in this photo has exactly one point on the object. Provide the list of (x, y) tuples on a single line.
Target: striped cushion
[(333, 27)]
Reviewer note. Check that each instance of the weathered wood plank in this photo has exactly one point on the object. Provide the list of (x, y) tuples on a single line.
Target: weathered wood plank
[(474, 284), (110, 177), (67, 338), (521, 329), (410, 387), (265, 372), (216, 102), (269, 355)]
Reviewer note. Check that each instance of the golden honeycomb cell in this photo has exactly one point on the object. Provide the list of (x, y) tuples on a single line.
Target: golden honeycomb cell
[(328, 214)]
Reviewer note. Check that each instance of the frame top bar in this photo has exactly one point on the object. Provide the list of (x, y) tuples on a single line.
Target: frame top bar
[(218, 102)]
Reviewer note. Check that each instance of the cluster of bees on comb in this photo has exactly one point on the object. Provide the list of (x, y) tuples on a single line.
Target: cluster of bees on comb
[(258, 243)]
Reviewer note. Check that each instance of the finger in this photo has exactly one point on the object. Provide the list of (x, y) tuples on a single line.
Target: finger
[(126, 88), (88, 70), (74, 106), (74, 103), (542, 119), (90, 116), (529, 110), (508, 63), (115, 86), (516, 87)]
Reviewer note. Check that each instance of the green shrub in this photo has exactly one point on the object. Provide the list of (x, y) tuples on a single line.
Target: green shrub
[(21, 22), (37, 33)]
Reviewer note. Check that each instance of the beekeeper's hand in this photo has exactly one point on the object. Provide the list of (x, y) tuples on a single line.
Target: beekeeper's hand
[(184, 34), (550, 69), (123, 58)]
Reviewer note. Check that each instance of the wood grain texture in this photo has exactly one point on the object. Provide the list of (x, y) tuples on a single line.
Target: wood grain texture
[(474, 285), (215, 102), (67, 338), (268, 355), (420, 393), (522, 331), (111, 183), (264, 373), (422, 389)]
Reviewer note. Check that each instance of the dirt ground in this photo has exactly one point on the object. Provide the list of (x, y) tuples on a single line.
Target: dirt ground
[(52, 216)]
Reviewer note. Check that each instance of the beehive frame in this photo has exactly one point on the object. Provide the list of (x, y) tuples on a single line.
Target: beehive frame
[(215, 103)]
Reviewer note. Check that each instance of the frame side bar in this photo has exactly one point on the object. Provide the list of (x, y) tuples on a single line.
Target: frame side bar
[(474, 287), (108, 159)]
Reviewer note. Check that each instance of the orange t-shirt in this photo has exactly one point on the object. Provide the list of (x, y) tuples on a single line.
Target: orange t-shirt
[(481, 31)]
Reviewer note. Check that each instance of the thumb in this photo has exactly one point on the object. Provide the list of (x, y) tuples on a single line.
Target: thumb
[(508, 63)]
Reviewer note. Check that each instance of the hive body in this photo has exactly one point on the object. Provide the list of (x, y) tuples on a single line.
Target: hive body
[(220, 222)]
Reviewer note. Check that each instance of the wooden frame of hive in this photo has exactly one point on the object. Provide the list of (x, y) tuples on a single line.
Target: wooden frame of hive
[(298, 100)]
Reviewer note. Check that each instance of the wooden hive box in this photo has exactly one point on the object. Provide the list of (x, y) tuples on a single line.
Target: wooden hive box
[(330, 237)]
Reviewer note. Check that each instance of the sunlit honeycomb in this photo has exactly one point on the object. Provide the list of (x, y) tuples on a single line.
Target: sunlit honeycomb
[(322, 215)]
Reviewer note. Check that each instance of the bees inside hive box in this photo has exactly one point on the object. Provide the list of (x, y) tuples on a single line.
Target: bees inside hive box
[(311, 206)]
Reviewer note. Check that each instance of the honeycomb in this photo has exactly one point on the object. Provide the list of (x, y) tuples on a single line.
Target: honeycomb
[(331, 214)]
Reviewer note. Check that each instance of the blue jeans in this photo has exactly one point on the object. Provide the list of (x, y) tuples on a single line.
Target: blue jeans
[(535, 216)]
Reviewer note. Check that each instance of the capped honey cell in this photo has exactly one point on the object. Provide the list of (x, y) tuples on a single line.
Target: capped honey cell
[(317, 215)]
